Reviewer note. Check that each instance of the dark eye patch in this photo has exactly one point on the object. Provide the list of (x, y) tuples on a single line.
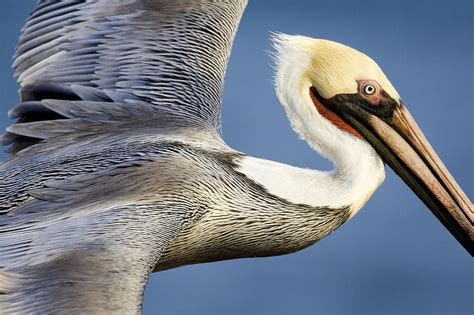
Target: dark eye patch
[(383, 106)]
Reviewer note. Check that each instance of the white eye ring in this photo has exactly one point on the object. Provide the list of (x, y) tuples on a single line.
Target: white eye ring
[(369, 89)]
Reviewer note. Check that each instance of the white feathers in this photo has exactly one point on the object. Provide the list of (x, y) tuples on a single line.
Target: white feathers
[(315, 188), (359, 171)]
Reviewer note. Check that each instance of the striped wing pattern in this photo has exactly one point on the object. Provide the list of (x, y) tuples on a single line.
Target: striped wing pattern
[(169, 54)]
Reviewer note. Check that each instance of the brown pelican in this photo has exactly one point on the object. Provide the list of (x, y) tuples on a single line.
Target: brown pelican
[(118, 167)]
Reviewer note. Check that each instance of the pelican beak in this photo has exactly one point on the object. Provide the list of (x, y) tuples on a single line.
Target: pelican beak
[(401, 144), (410, 155)]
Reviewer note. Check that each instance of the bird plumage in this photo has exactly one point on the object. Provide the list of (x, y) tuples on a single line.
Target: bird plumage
[(170, 54), (107, 90), (103, 176), (118, 167)]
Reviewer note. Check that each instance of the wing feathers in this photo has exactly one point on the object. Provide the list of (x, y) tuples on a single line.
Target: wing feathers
[(87, 242), (170, 54)]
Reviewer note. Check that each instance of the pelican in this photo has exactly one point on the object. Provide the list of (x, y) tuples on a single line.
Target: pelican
[(118, 168)]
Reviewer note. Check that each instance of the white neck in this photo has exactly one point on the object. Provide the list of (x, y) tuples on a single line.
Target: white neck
[(358, 172)]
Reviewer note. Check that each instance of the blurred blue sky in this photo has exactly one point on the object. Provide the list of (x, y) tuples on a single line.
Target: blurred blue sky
[(394, 256)]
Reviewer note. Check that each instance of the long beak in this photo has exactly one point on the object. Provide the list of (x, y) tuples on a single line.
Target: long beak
[(402, 145)]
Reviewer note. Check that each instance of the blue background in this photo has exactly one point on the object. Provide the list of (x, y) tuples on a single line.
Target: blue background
[(394, 256)]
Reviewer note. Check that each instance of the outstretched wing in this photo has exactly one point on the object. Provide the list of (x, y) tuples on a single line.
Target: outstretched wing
[(89, 200), (168, 55)]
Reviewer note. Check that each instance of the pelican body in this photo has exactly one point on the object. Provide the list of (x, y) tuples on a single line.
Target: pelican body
[(118, 167)]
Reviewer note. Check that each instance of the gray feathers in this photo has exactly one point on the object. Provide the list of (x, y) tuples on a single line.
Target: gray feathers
[(85, 229), (118, 167), (169, 54), (95, 188)]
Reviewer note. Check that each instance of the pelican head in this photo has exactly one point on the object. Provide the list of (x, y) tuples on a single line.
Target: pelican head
[(344, 99)]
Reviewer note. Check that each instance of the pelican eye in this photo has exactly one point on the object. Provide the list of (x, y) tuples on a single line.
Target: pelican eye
[(369, 89)]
